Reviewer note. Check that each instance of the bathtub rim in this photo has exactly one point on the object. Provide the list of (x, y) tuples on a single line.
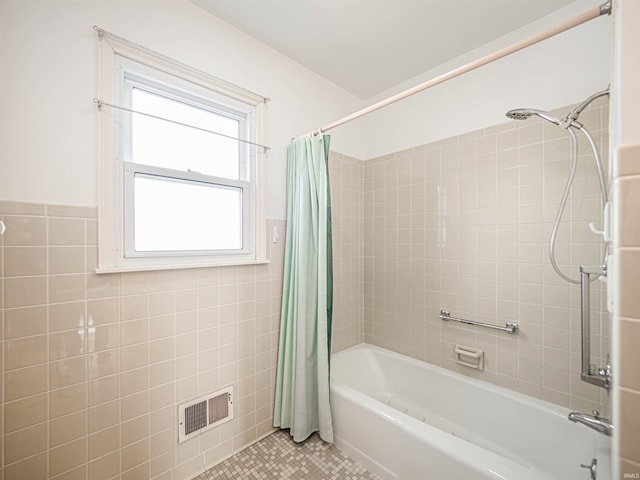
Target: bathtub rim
[(535, 402), (402, 420)]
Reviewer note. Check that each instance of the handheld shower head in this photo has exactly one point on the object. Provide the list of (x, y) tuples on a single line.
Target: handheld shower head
[(524, 113)]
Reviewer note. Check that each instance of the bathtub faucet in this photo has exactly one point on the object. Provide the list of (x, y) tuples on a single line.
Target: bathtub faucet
[(599, 424)]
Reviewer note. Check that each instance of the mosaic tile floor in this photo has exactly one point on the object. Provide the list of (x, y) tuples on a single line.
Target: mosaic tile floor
[(279, 457)]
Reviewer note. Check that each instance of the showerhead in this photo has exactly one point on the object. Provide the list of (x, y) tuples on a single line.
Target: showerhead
[(524, 113)]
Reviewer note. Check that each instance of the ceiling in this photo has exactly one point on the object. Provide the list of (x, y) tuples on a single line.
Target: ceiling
[(369, 46)]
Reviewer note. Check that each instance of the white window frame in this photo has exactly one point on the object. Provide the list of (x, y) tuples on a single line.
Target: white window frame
[(115, 220)]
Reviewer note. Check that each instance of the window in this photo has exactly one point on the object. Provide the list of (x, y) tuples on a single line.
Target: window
[(172, 192)]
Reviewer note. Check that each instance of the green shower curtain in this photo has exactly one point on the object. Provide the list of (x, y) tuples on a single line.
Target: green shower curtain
[(302, 380)]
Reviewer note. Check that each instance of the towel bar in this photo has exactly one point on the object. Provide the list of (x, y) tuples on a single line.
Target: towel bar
[(511, 327)]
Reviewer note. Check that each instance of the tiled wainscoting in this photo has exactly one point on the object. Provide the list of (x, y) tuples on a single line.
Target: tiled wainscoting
[(95, 365)]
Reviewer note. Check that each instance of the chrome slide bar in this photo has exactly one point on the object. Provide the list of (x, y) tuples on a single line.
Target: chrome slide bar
[(601, 376), (511, 327)]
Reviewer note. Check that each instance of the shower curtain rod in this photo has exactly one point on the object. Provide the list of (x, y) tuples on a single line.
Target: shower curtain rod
[(604, 9)]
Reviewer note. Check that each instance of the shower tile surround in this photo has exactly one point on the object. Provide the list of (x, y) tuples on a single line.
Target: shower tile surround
[(464, 224), (94, 366)]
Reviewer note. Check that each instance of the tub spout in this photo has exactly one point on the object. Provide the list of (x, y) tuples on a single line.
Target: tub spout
[(599, 424)]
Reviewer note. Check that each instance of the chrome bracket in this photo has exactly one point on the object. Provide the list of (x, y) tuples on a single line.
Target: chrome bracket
[(601, 376)]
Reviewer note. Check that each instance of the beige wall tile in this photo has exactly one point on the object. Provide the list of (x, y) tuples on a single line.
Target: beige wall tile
[(25, 443), (77, 473), (160, 467), (70, 343), (102, 364), (33, 468), (134, 307), (25, 291), (161, 327), (134, 381), (161, 350), (141, 471), (627, 302), (103, 416), (104, 442), (67, 288), (103, 311), (71, 211), (160, 304), (629, 424), (134, 430), (161, 420), (103, 390), (161, 373), (134, 356), (25, 261), (25, 412), (23, 322), (26, 351), (25, 382), (66, 231), (134, 405), (63, 260), (103, 286), (630, 368), (66, 316), (104, 337), (627, 161), (67, 372), (106, 467), (66, 457), (25, 231), (67, 400), (135, 454), (630, 468), (67, 428)]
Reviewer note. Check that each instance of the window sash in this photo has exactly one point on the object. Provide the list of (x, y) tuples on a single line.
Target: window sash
[(134, 75), (164, 144), (130, 172)]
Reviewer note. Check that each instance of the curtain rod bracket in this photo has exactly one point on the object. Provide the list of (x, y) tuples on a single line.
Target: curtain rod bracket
[(605, 8)]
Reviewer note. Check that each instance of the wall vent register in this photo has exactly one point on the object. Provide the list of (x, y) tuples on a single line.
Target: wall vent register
[(204, 413)]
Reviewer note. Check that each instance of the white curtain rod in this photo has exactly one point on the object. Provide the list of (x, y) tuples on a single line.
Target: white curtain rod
[(604, 9), (100, 104)]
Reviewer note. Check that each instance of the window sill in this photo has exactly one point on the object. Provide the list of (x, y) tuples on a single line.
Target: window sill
[(149, 268)]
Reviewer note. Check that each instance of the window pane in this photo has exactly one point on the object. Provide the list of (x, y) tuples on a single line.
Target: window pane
[(164, 144), (176, 215)]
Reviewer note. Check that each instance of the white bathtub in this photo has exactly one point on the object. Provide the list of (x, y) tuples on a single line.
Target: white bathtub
[(406, 419)]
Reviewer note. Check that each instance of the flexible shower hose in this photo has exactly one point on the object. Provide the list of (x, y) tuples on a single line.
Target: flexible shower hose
[(565, 196)]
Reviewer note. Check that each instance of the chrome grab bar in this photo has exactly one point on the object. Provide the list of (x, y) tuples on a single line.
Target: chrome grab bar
[(602, 376), (511, 327)]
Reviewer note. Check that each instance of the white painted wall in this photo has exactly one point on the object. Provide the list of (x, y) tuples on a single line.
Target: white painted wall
[(49, 62), (559, 71), (48, 77)]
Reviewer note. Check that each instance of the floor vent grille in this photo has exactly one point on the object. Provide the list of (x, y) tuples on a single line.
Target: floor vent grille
[(203, 413)]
